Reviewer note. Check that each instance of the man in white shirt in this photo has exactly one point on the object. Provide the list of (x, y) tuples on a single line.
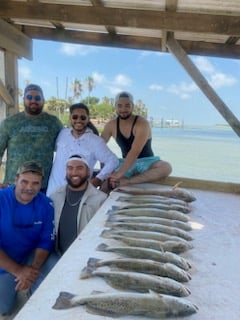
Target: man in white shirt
[(81, 139)]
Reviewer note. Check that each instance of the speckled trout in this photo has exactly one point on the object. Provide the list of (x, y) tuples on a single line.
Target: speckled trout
[(159, 236), (143, 265), (179, 246), (176, 193), (114, 304), (152, 212), (151, 199), (161, 206), (145, 253), (142, 219), (150, 227), (140, 282)]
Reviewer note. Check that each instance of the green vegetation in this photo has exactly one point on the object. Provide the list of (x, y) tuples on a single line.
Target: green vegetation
[(101, 110)]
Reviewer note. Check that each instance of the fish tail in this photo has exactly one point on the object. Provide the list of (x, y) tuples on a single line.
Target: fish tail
[(108, 223), (102, 247), (87, 272), (64, 301), (106, 234), (93, 262), (111, 218)]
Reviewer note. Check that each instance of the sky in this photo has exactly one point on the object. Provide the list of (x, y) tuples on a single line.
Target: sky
[(157, 79)]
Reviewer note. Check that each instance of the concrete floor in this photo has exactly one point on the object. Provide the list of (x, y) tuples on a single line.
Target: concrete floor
[(214, 258)]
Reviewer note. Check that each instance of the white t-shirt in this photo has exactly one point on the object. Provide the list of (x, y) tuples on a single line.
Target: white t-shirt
[(90, 146)]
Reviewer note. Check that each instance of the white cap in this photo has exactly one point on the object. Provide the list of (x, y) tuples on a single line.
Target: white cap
[(77, 157)]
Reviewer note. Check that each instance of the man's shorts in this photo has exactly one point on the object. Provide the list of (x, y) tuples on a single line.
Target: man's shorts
[(141, 165)]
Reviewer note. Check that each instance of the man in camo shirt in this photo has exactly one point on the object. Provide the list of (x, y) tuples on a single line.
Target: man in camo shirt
[(29, 135)]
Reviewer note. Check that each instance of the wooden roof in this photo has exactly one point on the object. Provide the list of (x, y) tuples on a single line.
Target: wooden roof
[(202, 27)]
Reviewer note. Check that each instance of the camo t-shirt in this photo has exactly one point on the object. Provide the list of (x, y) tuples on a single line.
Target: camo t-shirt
[(28, 138)]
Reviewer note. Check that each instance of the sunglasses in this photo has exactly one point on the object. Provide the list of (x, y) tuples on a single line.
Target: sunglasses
[(31, 97), (82, 117)]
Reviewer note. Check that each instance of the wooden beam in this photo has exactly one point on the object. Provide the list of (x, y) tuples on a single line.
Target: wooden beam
[(13, 40), (4, 94), (135, 18), (131, 42), (170, 6), (198, 184), (11, 81), (181, 56)]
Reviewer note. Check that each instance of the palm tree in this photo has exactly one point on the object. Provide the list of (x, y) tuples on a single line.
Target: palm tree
[(77, 89), (90, 85)]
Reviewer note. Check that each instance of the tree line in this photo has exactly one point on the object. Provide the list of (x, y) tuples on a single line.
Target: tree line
[(101, 110)]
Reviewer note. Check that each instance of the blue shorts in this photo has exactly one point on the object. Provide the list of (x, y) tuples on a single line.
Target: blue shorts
[(141, 165)]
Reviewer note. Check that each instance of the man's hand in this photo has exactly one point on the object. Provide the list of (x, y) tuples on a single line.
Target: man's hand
[(96, 182), (25, 277)]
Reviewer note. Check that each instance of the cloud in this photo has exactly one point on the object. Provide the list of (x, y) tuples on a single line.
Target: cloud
[(70, 49), (219, 80), (25, 73), (183, 89), (156, 87), (204, 65), (216, 79), (149, 53), (119, 83), (98, 78), (122, 80)]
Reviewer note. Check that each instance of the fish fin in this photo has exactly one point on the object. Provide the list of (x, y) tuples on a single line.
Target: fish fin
[(108, 224), (64, 300), (106, 234), (105, 313), (92, 262), (96, 292), (102, 247), (121, 198), (114, 208), (112, 218), (154, 293), (87, 272), (110, 211)]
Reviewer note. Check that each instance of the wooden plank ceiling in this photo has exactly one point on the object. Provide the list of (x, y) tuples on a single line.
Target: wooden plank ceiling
[(202, 27)]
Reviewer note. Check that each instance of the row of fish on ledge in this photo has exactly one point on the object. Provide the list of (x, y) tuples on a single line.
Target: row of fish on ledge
[(152, 228)]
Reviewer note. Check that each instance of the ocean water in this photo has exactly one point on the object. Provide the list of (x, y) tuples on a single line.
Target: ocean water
[(197, 152)]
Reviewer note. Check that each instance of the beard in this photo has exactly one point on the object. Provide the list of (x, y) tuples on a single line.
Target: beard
[(78, 184), (125, 117), (33, 111)]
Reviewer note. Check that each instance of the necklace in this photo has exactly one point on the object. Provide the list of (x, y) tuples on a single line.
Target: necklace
[(76, 195)]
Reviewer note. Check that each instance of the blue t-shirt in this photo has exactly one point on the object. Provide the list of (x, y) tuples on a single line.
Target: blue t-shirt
[(23, 228)]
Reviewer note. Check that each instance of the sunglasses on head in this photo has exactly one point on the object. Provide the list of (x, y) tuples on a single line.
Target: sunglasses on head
[(81, 117), (31, 97)]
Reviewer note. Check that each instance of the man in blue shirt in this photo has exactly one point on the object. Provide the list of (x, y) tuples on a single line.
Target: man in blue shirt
[(26, 235)]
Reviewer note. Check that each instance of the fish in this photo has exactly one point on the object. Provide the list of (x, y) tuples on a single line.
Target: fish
[(150, 227), (171, 246), (143, 265), (145, 253), (161, 206), (136, 281), (110, 233), (151, 199), (142, 219), (152, 212), (176, 193), (116, 304)]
